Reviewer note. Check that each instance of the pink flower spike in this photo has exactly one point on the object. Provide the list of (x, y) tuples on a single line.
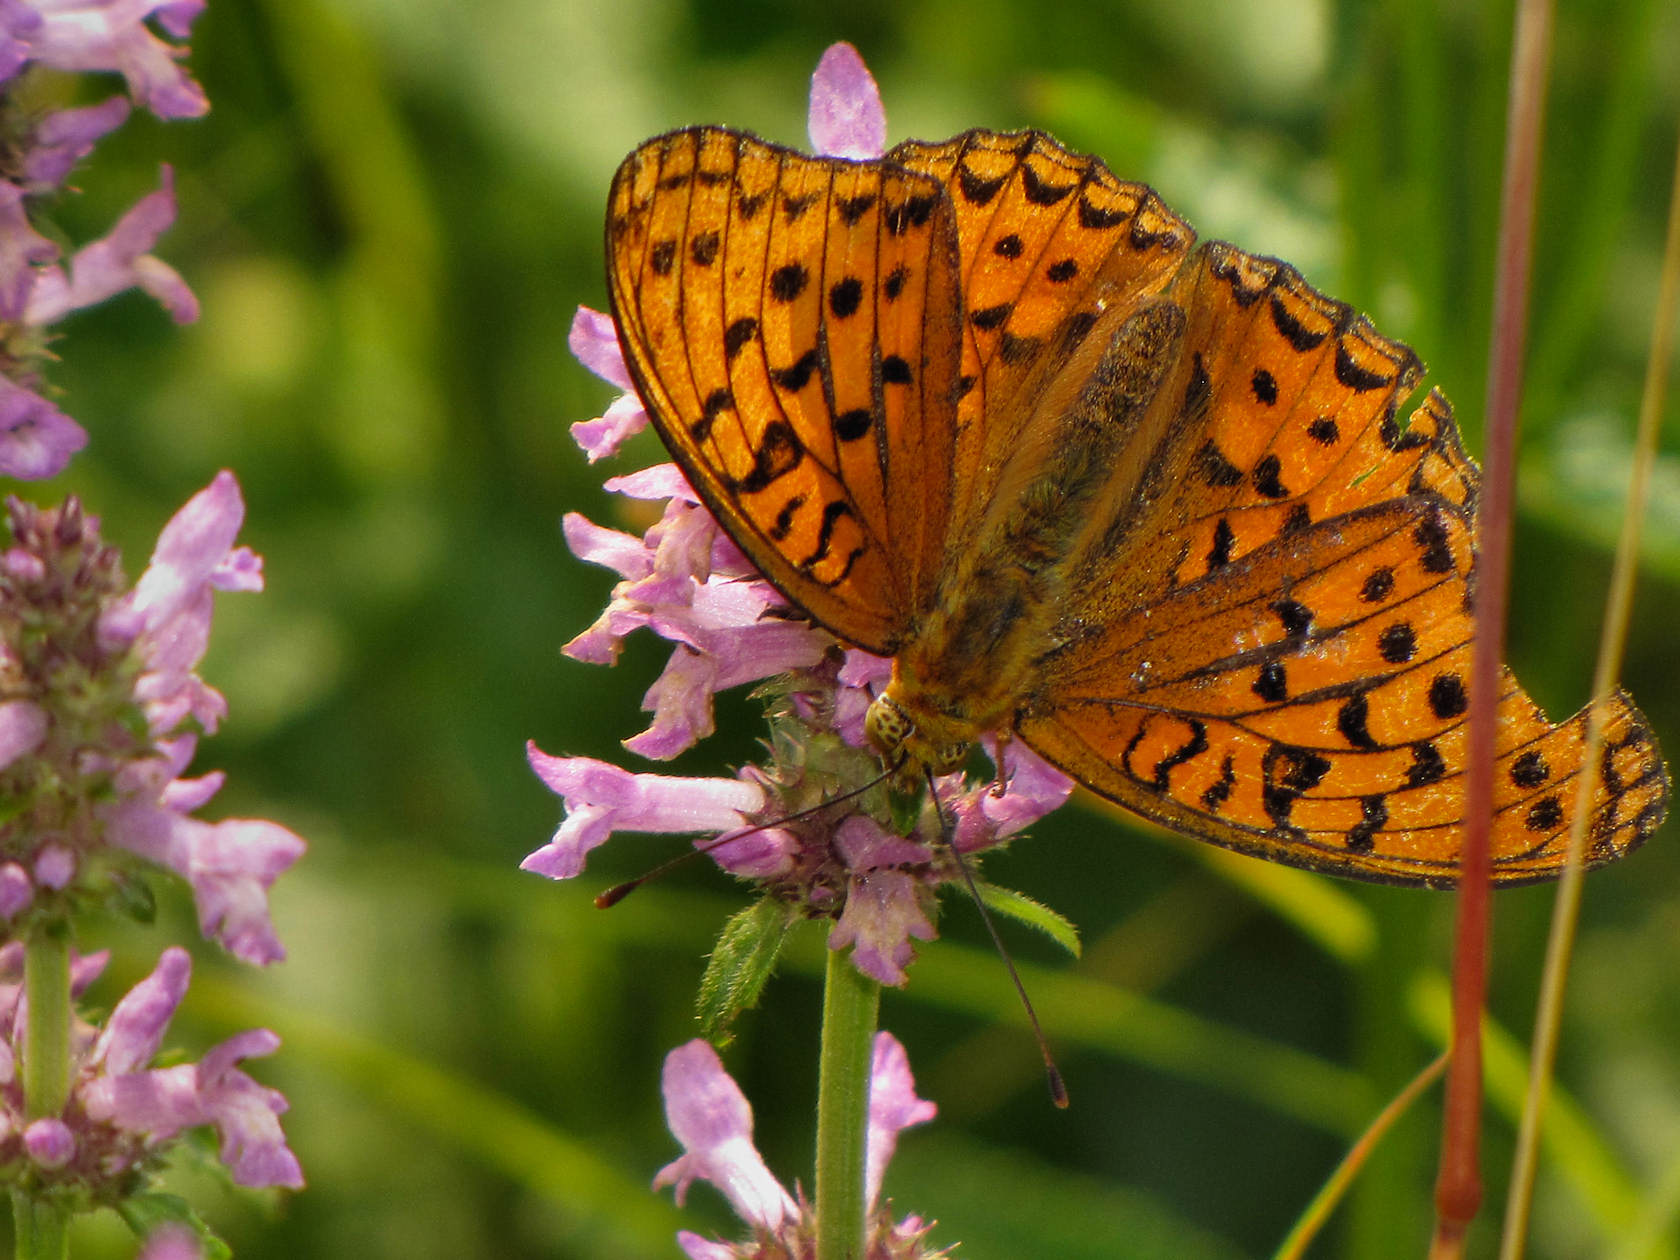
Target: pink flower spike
[(709, 1115), (602, 798), (847, 119), (893, 1107)]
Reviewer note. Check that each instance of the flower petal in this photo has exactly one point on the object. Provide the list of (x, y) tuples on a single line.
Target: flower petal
[(893, 1106), (709, 1115), (847, 119), (135, 1028), (602, 798), (594, 342), (64, 138), (23, 725), (116, 262), (36, 438)]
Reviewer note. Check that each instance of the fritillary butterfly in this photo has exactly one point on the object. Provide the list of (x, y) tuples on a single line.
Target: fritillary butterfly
[(986, 409)]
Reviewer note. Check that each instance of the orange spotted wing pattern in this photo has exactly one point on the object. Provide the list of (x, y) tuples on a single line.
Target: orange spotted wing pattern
[(874, 371), (792, 325)]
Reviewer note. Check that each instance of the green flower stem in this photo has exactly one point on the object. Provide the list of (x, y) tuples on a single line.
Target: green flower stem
[(850, 1003), (42, 1228), (46, 1064)]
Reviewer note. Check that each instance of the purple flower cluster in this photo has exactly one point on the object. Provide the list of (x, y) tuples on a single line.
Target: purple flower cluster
[(687, 582), (36, 290), (122, 1112), (101, 705), (712, 1119), (105, 714)]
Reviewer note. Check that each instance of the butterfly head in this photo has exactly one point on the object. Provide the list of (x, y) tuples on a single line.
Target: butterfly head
[(913, 742)]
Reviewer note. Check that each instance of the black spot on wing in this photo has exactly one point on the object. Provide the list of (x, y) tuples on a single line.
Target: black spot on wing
[(788, 281), (1529, 770), (1447, 697), (845, 297), (1272, 685)]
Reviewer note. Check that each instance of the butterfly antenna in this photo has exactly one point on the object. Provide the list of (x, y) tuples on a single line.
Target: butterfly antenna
[(618, 892), (1052, 1073)]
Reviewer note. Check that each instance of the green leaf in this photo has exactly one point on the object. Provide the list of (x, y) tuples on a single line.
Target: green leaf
[(1035, 914), (145, 1212), (741, 961)]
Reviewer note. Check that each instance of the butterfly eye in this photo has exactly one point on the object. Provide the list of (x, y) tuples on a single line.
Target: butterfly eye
[(887, 726)]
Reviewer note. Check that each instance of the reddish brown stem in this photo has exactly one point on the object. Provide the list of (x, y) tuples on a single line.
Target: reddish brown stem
[(1458, 1188)]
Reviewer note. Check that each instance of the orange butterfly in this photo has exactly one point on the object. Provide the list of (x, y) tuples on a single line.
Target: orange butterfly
[(980, 406)]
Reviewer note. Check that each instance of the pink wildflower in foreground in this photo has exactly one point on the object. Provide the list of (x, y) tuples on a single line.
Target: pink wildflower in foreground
[(36, 438), (108, 712), (686, 581), (109, 35), (709, 1115), (122, 1114)]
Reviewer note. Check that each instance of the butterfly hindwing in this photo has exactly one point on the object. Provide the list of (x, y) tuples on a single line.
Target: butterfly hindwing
[(1293, 681), (791, 323)]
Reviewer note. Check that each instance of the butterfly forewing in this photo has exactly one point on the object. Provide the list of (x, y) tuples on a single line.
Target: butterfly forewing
[(792, 324), (1050, 242)]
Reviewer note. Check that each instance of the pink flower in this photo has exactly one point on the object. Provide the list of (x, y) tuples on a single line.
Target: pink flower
[(36, 438), (108, 35), (62, 139), (594, 342), (123, 1114), (709, 1115), (119, 261), (687, 582), (171, 1241), (96, 777), (847, 119), (602, 798)]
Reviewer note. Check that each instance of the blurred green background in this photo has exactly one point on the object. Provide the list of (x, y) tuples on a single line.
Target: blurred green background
[(390, 216)]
